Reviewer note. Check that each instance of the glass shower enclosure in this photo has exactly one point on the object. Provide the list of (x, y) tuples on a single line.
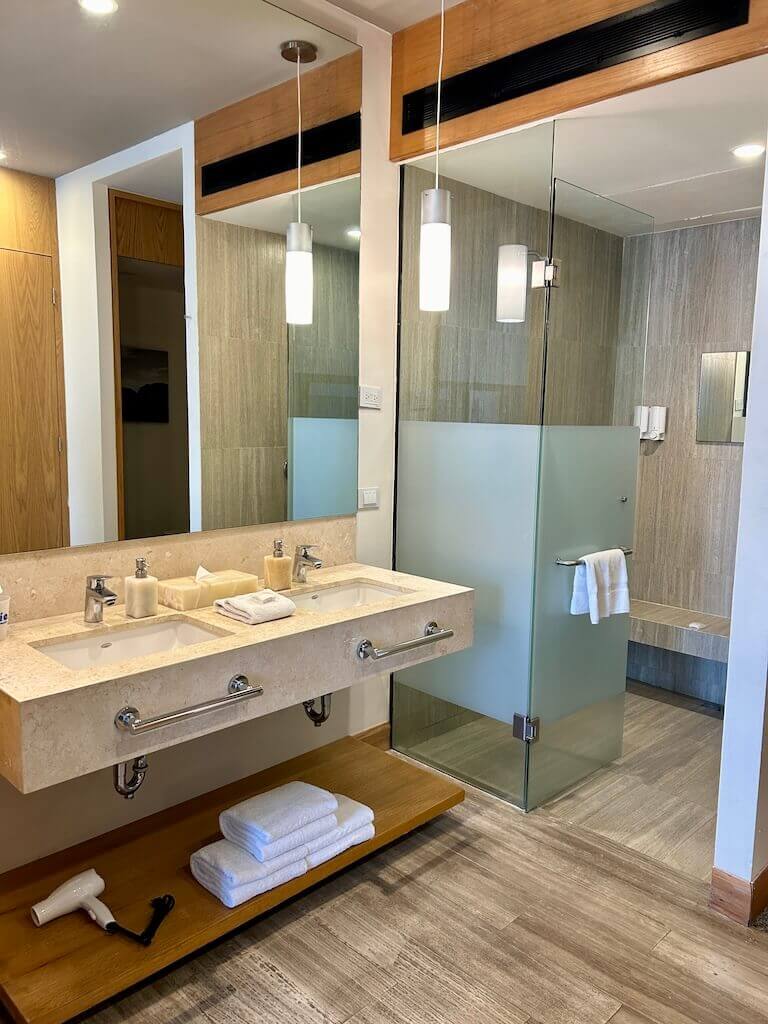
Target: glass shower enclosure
[(517, 455)]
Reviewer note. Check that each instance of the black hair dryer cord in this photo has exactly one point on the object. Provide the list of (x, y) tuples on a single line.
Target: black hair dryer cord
[(161, 908)]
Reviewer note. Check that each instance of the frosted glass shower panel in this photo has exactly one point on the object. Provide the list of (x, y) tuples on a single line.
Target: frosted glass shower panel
[(467, 514), (587, 503)]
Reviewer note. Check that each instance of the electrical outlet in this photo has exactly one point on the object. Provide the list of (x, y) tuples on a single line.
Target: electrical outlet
[(370, 397)]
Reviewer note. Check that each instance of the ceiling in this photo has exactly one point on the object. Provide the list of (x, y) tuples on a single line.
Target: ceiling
[(75, 88), (393, 14), (331, 209), (664, 151)]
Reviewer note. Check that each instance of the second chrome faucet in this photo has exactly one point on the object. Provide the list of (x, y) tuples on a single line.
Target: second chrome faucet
[(303, 559), (97, 597)]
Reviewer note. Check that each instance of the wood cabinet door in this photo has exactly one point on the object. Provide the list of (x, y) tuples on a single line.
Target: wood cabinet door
[(31, 502)]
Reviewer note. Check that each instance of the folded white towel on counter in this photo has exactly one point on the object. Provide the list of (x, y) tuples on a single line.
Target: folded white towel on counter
[(601, 585), (279, 812), (351, 816), (296, 842), (252, 609), (207, 869), (230, 866), (360, 835)]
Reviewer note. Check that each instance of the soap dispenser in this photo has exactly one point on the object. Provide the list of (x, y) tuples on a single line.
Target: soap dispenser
[(141, 592), (277, 569)]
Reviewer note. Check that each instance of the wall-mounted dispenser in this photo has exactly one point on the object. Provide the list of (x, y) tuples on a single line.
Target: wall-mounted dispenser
[(651, 420)]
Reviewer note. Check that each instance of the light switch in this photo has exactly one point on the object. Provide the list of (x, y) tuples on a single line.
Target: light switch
[(370, 397), (368, 497)]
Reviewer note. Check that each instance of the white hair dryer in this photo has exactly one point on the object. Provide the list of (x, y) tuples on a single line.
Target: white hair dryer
[(79, 893)]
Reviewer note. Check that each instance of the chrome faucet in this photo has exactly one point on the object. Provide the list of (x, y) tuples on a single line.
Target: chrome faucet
[(96, 597), (303, 559)]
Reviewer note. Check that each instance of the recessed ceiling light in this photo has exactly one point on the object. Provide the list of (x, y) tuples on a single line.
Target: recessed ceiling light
[(99, 6), (354, 233), (749, 151), (3, 155)]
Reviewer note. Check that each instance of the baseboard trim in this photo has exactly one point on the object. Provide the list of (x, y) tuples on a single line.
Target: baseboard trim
[(379, 736), (738, 899)]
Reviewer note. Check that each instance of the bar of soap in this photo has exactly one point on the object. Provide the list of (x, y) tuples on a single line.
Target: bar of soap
[(226, 583), (183, 594)]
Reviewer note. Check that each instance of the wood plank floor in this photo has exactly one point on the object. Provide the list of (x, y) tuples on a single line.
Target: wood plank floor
[(485, 915), (660, 797)]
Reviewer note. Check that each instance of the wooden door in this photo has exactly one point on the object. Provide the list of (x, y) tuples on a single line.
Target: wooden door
[(31, 499)]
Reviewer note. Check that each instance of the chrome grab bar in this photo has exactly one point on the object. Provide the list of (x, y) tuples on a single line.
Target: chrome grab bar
[(239, 690), (432, 635), (580, 561)]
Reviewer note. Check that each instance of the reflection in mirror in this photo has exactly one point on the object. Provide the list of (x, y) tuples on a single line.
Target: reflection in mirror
[(171, 393), (722, 412), (278, 402)]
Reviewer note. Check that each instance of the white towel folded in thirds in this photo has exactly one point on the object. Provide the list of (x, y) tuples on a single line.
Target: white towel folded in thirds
[(279, 812), (362, 835), (601, 585), (208, 868), (295, 844), (351, 816), (252, 609), (230, 866)]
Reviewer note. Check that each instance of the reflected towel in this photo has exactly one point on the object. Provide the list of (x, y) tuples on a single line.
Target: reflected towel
[(601, 585), (279, 812), (252, 609)]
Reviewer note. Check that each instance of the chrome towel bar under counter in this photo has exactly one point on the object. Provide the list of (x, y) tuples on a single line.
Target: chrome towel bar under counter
[(580, 561), (432, 635), (239, 690)]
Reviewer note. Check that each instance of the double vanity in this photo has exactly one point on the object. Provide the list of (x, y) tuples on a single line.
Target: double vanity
[(76, 697)]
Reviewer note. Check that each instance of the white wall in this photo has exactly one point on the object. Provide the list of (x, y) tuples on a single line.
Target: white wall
[(86, 310), (742, 818)]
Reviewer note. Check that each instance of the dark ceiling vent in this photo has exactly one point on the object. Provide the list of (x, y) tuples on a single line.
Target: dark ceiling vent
[(647, 29), (321, 143)]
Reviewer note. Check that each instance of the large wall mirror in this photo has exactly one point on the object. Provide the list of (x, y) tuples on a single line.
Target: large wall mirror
[(173, 392)]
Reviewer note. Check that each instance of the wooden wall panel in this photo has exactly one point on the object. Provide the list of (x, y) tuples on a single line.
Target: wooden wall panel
[(28, 224), (328, 93), (148, 229), (479, 31), (27, 213)]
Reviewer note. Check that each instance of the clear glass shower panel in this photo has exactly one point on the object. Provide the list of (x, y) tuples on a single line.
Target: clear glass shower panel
[(468, 454), (587, 480)]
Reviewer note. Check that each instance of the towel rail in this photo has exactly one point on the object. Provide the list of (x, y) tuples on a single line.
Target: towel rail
[(432, 635), (580, 561), (239, 690)]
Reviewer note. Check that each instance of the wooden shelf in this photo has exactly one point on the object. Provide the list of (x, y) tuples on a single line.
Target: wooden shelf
[(50, 974)]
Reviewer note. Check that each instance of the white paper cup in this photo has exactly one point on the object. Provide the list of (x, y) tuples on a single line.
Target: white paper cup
[(5, 614)]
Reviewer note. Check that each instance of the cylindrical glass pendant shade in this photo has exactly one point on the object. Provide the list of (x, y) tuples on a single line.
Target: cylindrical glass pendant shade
[(435, 251), (511, 284), (299, 274)]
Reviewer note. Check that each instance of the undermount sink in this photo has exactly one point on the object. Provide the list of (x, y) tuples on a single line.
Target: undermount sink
[(122, 643), (345, 595)]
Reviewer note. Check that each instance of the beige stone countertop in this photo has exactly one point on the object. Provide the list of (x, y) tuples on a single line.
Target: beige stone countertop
[(26, 673)]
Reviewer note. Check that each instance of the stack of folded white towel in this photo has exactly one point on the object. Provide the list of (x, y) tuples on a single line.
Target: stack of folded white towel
[(277, 836), (253, 609)]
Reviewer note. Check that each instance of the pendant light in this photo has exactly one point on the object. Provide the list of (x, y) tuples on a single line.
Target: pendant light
[(435, 242), (511, 284), (299, 272)]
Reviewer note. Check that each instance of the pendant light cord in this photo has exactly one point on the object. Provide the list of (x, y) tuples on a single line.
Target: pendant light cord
[(298, 99), (439, 92)]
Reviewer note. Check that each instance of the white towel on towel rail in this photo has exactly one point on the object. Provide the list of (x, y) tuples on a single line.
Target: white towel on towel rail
[(601, 585)]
